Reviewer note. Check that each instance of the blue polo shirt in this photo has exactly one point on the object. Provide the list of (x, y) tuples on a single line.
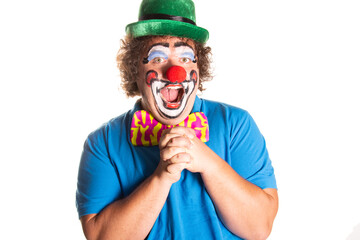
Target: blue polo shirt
[(111, 168)]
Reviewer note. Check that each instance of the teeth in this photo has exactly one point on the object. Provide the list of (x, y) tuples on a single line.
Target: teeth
[(174, 87)]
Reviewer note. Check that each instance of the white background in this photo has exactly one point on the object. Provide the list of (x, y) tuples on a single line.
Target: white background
[(294, 65)]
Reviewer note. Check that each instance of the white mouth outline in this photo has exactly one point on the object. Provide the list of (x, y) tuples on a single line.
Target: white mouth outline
[(177, 101), (188, 87)]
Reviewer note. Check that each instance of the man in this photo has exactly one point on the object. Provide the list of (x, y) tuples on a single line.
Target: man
[(175, 166)]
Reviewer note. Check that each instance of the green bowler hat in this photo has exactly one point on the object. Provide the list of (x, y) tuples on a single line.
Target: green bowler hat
[(167, 18)]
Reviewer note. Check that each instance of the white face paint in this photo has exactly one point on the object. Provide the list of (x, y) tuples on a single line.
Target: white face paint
[(173, 108), (158, 52), (185, 53), (169, 99)]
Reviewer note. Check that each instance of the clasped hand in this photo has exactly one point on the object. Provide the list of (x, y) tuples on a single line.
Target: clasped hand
[(180, 149)]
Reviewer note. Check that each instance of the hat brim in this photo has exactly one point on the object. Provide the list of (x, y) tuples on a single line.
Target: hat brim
[(163, 27)]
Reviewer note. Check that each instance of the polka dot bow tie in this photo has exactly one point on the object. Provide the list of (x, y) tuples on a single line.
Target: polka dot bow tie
[(146, 130)]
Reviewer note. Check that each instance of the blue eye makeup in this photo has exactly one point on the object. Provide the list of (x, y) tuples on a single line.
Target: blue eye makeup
[(189, 55), (155, 54), (158, 50)]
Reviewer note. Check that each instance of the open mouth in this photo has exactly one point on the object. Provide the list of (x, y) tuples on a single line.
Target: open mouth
[(172, 95)]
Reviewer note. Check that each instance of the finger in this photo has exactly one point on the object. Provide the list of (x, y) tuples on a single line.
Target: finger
[(184, 131), (175, 168), (165, 138), (180, 141), (179, 158), (170, 152)]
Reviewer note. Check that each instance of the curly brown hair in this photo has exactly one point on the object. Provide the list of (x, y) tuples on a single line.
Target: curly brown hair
[(129, 57)]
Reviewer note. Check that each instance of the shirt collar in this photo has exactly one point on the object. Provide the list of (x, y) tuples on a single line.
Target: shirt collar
[(137, 106), (197, 105)]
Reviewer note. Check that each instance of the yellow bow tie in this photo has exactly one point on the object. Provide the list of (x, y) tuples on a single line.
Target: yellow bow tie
[(146, 130)]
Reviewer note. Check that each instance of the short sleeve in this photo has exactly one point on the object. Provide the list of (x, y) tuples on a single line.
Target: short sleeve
[(249, 155), (98, 183)]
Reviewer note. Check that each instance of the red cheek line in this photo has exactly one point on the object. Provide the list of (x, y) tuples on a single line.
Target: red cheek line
[(193, 76), (150, 75)]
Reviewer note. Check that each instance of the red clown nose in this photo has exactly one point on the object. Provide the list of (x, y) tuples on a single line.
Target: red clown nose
[(176, 74)]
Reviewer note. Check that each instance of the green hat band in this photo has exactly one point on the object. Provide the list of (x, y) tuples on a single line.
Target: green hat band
[(167, 18)]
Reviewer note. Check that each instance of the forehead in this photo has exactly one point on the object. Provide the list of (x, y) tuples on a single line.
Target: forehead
[(170, 42)]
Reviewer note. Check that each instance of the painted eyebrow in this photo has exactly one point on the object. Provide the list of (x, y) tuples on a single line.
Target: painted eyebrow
[(158, 44), (182, 44), (152, 54)]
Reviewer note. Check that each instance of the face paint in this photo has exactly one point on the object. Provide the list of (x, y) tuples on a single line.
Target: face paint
[(159, 52), (193, 76), (150, 76), (185, 54), (169, 79), (171, 98)]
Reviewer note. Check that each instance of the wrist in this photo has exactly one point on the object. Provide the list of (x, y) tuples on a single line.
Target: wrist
[(162, 179), (213, 165)]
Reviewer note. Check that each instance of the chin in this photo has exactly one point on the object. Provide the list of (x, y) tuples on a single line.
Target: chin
[(177, 120)]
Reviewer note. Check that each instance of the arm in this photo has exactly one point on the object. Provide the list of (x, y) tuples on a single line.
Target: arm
[(245, 209), (134, 216), (121, 219)]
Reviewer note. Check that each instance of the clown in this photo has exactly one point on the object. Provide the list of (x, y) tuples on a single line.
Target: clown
[(175, 166)]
